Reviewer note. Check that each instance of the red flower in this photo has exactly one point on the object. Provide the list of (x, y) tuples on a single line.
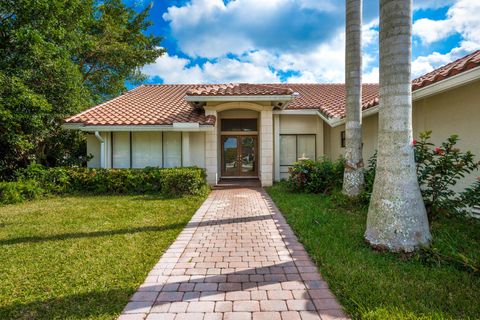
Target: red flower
[(414, 142), (439, 151)]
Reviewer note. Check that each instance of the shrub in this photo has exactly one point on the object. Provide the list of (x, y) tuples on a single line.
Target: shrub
[(19, 191), (36, 180), (438, 170), (321, 176)]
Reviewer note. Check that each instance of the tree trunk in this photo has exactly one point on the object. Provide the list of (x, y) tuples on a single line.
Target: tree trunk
[(397, 219), (353, 180)]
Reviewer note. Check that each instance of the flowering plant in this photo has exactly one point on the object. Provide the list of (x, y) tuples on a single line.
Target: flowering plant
[(439, 169)]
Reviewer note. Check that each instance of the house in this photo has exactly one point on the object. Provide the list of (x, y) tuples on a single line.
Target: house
[(259, 130)]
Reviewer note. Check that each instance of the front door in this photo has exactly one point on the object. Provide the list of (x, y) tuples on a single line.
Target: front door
[(239, 156)]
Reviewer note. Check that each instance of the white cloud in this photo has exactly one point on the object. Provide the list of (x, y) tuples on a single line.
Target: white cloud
[(463, 17), (425, 64), (212, 28), (293, 40), (372, 76), (173, 69)]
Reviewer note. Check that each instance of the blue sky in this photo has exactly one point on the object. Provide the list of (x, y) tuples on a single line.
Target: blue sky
[(264, 41)]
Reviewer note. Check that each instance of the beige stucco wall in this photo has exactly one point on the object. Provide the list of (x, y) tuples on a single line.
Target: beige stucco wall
[(369, 138), (302, 124), (453, 112), (456, 111)]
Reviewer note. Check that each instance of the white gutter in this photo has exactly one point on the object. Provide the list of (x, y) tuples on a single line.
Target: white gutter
[(240, 98), (102, 149), (194, 127)]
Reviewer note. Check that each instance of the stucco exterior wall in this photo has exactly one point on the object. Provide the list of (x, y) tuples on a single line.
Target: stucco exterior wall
[(369, 138), (452, 112)]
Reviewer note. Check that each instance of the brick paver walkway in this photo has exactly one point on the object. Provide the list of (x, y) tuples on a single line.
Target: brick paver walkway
[(236, 259)]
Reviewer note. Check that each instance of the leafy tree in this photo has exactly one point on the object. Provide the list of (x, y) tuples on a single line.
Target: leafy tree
[(58, 57)]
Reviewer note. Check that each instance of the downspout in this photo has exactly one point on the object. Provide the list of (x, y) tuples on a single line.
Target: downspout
[(102, 149)]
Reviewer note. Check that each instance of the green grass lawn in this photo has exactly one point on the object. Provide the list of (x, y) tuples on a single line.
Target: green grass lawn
[(82, 257), (374, 285)]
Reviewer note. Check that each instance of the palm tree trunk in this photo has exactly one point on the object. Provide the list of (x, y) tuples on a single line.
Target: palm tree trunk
[(353, 180), (397, 219)]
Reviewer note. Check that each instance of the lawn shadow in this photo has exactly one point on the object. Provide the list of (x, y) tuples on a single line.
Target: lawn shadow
[(77, 235), (75, 306)]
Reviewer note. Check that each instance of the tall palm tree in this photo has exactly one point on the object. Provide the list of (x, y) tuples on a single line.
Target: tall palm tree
[(397, 219), (353, 180)]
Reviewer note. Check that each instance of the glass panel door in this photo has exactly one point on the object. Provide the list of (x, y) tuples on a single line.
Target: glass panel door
[(230, 156), (248, 161)]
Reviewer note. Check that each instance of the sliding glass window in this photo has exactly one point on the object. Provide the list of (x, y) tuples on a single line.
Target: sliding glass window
[(297, 146)]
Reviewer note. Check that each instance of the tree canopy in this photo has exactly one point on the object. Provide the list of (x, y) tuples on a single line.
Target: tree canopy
[(58, 57)]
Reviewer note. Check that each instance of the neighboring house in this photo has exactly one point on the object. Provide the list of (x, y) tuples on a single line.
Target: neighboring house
[(259, 130)]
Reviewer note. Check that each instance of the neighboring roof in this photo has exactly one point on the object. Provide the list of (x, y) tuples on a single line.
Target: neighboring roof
[(239, 89), (145, 105), (165, 104)]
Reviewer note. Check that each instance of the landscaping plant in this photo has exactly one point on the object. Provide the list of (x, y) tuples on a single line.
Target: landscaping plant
[(438, 170), (321, 176), (37, 180)]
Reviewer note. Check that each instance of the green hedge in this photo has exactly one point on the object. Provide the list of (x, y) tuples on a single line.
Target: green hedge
[(36, 181), (320, 176)]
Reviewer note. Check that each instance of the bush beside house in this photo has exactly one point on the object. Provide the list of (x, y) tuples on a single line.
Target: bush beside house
[(438, 170), (36, 181)]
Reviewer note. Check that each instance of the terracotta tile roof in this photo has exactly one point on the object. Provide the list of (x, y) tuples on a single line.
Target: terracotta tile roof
[(145, 105), (166, 104), (328, 98), (453, 68), (239, 89)]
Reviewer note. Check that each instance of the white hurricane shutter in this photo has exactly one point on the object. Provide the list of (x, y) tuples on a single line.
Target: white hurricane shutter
[(121, 150), (306, 146), (146, 149), (288, 150), (172, 151)]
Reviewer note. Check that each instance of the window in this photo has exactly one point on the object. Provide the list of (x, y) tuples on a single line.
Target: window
[(239, 124), (296, 146), (342, 139)]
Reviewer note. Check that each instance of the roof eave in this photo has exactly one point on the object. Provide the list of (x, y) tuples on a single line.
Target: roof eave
[(177, 126), (240, 98)]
